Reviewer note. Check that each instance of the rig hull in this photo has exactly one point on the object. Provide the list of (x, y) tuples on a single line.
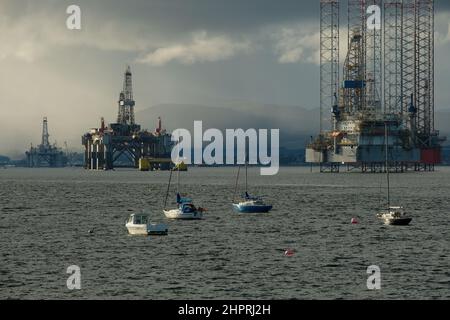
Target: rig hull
[(361, 143)]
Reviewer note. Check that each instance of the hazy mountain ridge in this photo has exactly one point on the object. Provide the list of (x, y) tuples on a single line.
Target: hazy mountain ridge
[(296, 124)]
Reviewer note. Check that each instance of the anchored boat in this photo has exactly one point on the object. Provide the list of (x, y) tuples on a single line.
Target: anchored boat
[(138, 224), (186, 210), (248, 203), (395, 216), (251, 205)]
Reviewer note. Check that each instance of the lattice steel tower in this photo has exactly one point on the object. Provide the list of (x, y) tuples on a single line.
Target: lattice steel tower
[(45, 141), (329, 60), (393, 97), (373, 58), (424, 69), (355, 62), (126, 102), (408, 48)]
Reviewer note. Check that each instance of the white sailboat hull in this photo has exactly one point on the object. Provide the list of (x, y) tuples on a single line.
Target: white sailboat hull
[(179, 215)]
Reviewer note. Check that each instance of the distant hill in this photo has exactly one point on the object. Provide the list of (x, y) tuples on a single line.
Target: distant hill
[(296, 124)]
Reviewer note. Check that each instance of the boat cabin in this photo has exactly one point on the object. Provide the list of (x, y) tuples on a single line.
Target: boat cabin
[(188, 208), (138, 218)]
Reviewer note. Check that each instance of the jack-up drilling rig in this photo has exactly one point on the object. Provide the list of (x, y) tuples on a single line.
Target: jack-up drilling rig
[(388, 79)]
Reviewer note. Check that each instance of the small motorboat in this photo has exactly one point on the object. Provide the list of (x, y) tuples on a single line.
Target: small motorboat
[(186, 210), (395, 216), (137, 224), (251, 205)]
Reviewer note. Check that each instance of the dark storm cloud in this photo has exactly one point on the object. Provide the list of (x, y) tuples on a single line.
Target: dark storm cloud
[(219, 14), (172, 16), (165, 21), (227, 16), (213, 15)]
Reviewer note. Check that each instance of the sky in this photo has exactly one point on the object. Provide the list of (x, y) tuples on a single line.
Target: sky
[(181, 52)]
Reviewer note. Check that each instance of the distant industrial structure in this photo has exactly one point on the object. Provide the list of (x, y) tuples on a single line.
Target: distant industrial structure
[(45, 154), (388, 81), (106, 146)]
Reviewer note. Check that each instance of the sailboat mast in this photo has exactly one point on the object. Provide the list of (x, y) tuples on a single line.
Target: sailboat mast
[(168, 189), (386, 137), (246, 176), (178, 180), (236, 185), (178, 169)]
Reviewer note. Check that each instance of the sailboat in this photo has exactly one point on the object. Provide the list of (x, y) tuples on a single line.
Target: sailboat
[(185, 210), (248, 203), (392, 215)]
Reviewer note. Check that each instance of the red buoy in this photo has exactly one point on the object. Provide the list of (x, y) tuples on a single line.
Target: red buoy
[(289, 253), (354, 221)]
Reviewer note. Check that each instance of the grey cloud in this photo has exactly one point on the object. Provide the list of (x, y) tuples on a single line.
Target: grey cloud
[(201, 48)]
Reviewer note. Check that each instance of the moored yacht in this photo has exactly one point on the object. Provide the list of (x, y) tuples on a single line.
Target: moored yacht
[(395, 216), (186, 210), (138, 224), (248, 204), (251, 204)]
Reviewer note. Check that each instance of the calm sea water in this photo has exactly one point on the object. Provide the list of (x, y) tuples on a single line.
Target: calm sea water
[(45, 215)]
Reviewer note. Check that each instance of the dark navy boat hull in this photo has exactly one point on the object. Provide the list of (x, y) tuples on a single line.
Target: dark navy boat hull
[(251, 209)]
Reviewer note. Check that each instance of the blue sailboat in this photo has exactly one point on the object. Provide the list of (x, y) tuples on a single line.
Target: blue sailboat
[(248, 203)]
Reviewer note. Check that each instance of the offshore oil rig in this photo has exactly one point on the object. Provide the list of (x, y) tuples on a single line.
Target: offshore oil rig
[(45, 154), (388, 82), (106, 146)]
